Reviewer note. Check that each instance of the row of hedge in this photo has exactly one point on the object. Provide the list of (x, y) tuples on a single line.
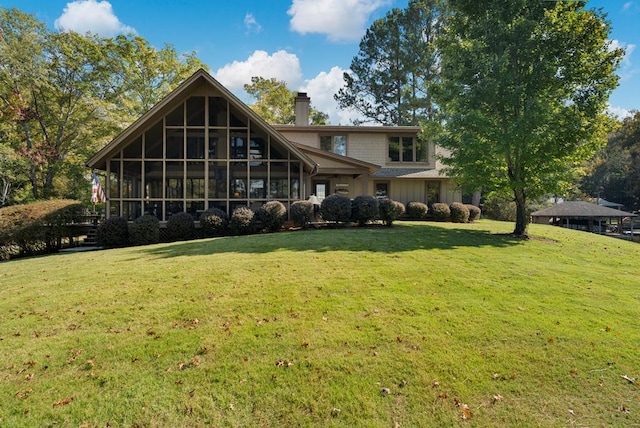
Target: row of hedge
[(39, 227), (271, 217), (117, 232), (456, 212)]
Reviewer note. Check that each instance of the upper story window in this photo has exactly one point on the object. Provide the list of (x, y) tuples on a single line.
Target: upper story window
[(334, 143), (407, 149)]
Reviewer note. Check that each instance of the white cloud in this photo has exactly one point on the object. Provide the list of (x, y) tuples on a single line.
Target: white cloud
[(286, 67), (619, 112), (340, 20), (93, 16), (251, 24), (628, 47), (630, 6), (281, 65), (627, 69), (321, 90)]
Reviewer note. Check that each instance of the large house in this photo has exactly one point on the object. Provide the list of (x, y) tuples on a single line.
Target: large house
[(201, 147)]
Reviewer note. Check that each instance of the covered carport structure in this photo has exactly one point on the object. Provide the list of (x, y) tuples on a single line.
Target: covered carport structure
[(586, 213)]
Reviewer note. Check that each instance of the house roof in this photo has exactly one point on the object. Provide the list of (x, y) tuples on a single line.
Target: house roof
[(352, 129), (328, 161), (606, 203), (580, 209), (200, 77), (407, 173)]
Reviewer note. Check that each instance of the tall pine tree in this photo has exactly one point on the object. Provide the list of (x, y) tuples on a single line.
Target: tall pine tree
[(388, 79)]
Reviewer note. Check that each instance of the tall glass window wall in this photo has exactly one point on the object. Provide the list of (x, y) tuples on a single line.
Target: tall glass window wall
[(202, 154)]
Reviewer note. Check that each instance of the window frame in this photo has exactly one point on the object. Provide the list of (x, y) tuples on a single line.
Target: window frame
[(401, 150), (333, 143)]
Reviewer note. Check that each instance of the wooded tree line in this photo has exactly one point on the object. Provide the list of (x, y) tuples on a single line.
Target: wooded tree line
[(64, 96), (516, 90), (614, 172)]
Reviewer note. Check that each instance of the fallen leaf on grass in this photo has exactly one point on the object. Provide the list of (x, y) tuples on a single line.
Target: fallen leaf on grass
[(284, 363), (629, 379), (464, 408), (63, 402), (23, 395), (466, 413)]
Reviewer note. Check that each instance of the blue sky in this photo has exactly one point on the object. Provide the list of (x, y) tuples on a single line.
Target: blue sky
[(307, 43)]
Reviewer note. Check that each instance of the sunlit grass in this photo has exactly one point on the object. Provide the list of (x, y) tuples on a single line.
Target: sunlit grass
[(307, 328)]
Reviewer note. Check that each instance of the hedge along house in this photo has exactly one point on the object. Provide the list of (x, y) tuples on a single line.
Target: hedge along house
[(201, 147)]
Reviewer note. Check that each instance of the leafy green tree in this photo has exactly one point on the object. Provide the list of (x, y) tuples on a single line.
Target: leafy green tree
[(614, 172), (142, 75), (65, 95), (275, 102), (397, 59), (524, 90), (58, 114)]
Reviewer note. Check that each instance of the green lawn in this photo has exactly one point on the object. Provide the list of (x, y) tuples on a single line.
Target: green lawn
[(422, 324)]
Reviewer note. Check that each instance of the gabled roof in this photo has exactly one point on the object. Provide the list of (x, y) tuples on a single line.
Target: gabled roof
[(197, 79), (335, 161), (407, 173), (580, 209)]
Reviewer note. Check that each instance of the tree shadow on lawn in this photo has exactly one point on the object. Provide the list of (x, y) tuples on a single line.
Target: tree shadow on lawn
[(395, 239)]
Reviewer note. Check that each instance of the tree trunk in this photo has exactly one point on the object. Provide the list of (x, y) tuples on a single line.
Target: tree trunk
[(47, 188), (522, 218), (33, 178)]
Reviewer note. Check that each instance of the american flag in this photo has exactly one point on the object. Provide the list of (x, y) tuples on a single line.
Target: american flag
[(97, 195)]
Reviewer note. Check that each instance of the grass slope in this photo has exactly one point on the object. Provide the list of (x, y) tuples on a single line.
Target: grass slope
[(419, 325)]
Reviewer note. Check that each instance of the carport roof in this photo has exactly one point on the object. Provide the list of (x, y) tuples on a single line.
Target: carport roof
[(580, 209)]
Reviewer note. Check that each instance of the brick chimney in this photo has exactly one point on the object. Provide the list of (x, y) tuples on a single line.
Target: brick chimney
[(302, 102)]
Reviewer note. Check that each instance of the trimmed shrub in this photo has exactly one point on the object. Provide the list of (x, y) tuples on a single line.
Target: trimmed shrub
[(417, 210), (145, 230), (459, 212), (301, 213), (440, 211), (242, 221), (113, 232), (39, 227), (364, 209), (273, 214), (389, 210), (336, 208), (474, 212), (214, 222), (180, 227)]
